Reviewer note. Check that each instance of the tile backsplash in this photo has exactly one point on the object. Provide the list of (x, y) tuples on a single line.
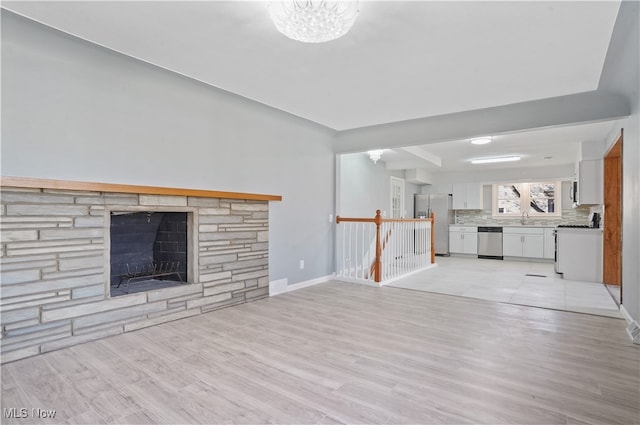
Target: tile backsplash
[(483, 217)]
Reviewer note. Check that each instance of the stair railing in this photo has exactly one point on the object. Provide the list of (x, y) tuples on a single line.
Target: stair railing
[(382, 249)]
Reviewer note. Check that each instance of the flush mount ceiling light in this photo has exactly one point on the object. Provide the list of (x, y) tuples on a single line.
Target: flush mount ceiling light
[(375, 155), (497, 159), (481, 140), (313, 21)]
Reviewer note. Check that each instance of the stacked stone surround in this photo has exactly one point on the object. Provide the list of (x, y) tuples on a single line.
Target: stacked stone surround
[(54, 290)]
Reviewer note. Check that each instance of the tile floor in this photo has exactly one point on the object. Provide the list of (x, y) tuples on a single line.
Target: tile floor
[(508, 282), (614, 290)]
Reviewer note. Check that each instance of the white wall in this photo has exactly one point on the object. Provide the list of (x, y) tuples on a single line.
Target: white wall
[(631, 206), (621, 75), (364, 187), (75, 111)]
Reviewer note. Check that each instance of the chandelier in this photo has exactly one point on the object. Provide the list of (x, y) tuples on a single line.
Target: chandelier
[(375, 155), (313, 21)]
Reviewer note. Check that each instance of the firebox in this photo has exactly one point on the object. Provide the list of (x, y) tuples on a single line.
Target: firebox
[(148, 251)]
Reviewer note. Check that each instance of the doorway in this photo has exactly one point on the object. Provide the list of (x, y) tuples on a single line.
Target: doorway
[(612, 233), (397, 197)]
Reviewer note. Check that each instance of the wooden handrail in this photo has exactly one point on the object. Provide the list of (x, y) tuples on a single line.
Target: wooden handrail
[(376, 267), (433, 238), (354, 220), (373, 220), (404, 220)]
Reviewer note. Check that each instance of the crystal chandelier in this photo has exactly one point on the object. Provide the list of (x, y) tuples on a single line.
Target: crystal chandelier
[(313, 21), (375, 155)]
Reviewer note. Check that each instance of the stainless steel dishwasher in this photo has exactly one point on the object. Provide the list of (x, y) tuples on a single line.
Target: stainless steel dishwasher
[(490, 242)]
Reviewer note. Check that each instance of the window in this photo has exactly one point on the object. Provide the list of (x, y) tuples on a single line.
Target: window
[(539, 198)]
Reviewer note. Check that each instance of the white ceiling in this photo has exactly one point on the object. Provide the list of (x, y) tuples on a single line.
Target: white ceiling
[(400, 61), (561, 144)]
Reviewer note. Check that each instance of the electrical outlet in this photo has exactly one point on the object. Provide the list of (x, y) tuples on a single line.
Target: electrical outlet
[(301, 264)]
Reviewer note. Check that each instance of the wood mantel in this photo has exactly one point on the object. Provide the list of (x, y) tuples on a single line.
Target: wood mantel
[(35, 183)]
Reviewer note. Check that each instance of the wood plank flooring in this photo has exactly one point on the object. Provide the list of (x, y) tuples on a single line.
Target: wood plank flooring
[(344, 353)]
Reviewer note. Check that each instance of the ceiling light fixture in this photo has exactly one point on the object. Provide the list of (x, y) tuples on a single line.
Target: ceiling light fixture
[(375, 155), (481, 140), (497, 159), (313, 21)]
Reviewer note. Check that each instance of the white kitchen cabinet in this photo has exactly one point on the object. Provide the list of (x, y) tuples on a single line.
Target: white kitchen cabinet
[(589, 174), (549, 243), (463, 240), (467, 196), (526, 242), (580, 254), (511, 245), (533, 246)]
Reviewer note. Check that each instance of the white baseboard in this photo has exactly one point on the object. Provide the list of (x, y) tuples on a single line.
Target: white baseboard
[(626, 315), (281, 286), (393, 279), (358, 281)]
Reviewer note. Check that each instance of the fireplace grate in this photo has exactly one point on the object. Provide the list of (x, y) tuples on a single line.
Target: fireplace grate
[(149, 271)]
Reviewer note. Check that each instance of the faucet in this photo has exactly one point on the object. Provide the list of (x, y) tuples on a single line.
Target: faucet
[(522, 220)]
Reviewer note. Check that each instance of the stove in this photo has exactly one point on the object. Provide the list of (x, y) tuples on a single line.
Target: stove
[(574, 226)]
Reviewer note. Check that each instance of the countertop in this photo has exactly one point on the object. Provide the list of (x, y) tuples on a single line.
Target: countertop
[(542, 226)]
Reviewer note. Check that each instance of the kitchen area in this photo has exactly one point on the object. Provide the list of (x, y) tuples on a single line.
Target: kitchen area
[(549, 254), (530, 234), (472, 230)]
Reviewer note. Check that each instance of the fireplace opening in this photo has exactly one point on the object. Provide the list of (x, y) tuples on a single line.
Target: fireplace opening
[(148, 251)]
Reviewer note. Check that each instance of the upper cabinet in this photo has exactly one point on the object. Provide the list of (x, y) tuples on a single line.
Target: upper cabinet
[(589, 175), (467, 196)]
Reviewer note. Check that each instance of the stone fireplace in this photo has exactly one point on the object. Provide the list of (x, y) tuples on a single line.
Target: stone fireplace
[(59, 266)]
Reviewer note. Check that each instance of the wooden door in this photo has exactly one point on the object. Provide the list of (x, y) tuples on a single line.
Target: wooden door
[(612, 241)]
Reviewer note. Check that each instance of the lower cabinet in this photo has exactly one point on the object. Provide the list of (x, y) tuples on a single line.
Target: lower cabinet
[(525, 242), (463, 240)]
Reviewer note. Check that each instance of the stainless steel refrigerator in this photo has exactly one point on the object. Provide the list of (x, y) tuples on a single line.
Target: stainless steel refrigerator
[(440, 204)]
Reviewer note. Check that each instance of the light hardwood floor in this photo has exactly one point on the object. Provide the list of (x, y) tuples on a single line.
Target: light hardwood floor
[(344, 353)]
